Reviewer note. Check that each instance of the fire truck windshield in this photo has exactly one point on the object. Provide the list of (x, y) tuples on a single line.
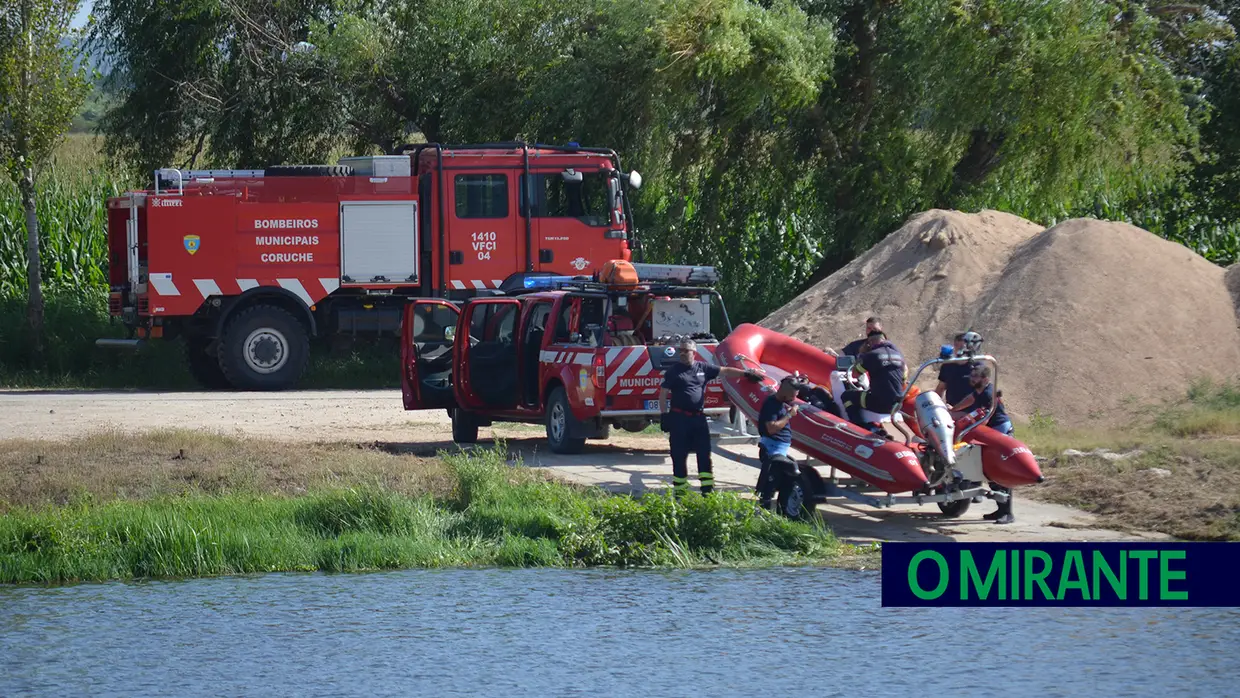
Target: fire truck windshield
[(585, 200)]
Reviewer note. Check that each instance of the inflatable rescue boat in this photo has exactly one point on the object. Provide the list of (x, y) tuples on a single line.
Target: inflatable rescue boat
[(945, 454)]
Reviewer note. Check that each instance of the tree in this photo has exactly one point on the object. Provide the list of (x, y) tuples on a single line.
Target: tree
[(40, 91), (231, 82)]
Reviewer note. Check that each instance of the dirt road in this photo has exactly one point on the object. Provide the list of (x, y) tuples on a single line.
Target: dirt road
[(626, 462)]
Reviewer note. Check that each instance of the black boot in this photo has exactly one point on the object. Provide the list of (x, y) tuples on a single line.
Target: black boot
[(1003, 513)]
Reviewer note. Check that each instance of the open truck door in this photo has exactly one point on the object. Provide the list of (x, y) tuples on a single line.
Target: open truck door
[(487, 369), (427, 332)]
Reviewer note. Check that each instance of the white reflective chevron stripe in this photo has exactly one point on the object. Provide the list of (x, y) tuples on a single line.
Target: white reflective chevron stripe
[(330, 285), (207, 287), (295, 286), (497, 283), (635, 354), (613, 352), (548, 356), (650, 391), (585, 358), (163, 284), (458, 284), (478, 284), (626, 391), (247, 284)]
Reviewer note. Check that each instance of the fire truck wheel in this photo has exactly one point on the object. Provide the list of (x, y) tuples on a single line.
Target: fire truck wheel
[(464, 427), (264, 348), (559, 422), (203, 367)]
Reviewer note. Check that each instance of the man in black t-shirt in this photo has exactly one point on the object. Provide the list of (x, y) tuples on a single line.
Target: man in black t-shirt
[(684, 387), (775, 434), (954, 383), (981, 398), (884, 364), (853, 348)]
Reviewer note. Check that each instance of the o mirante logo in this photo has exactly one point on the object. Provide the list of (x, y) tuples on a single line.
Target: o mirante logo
[(1060, 574)]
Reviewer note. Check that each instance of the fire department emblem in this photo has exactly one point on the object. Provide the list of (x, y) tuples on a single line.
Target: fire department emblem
[(583, 378), (192, 242), (580, 263)]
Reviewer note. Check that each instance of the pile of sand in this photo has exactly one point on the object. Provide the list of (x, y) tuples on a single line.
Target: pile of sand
[(1083, 316)]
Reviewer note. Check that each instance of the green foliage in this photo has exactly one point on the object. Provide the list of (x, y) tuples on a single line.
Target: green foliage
[(41, 88), (777, 139), (500, 515)]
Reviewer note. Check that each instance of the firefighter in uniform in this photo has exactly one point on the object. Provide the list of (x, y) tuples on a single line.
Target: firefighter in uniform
[(888, 376), (684, 419)]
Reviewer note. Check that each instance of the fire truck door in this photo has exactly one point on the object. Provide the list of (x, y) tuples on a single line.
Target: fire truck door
[(427, 330), (571, 222), (482, 242), (488, 372)]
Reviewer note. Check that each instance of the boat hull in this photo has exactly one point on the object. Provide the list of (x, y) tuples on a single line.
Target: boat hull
[(888, 465)]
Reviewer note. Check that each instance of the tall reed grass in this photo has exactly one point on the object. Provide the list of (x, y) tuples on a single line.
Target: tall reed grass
[(497, 515)]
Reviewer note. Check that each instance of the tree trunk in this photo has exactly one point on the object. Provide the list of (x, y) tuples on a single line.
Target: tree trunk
[(33, 276)]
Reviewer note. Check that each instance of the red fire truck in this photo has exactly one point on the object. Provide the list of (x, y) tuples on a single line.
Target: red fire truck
[(576, 355), (248, 265)]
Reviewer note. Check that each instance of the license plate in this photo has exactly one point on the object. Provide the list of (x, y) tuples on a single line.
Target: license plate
[(652, 405)]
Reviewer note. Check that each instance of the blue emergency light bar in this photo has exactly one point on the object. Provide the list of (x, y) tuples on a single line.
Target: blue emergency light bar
[(546, 281)]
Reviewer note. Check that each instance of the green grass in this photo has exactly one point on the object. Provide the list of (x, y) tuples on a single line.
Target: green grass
[(496, 515)]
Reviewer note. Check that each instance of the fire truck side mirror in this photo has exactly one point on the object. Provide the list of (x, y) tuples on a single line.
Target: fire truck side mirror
[(571, 175), (635, 179)]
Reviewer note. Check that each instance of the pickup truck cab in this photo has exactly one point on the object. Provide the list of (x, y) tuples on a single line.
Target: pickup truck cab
[(575, 354)]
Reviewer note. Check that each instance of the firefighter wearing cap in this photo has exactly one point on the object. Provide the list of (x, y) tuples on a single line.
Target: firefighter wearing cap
[(682, 401)]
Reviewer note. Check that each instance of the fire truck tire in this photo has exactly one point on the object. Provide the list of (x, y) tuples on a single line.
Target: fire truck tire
[(308, 171), (464, 427), (203, 367), (560, 425), (264, 348)]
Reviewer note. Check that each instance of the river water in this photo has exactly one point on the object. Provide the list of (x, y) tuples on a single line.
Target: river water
[(804, 632)]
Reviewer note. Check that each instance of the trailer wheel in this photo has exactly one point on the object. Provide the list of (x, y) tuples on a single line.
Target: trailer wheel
[(308, 171), (793, 498), (264, 348), (559, 423), (953, 510), (464, 427), (203, 367)]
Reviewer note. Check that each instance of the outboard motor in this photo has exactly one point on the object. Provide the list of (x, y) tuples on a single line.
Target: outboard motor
[(936, 425)]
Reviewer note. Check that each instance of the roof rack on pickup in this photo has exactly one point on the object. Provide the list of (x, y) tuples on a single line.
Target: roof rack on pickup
[(651, 278)]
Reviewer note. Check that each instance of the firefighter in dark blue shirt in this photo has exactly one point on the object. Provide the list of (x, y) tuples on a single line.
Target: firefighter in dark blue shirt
[(954, 382), (684, 419), (981, 397), (853, 348), (888, 373), (775, 436)]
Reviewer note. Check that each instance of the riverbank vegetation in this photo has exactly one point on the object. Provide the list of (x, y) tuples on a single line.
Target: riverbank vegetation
[(1174, 468), (180, 504)]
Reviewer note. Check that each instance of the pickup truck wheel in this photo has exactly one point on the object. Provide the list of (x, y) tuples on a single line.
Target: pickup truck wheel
[(559, 420), (464, 427), (264, 348), (203, 367)]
